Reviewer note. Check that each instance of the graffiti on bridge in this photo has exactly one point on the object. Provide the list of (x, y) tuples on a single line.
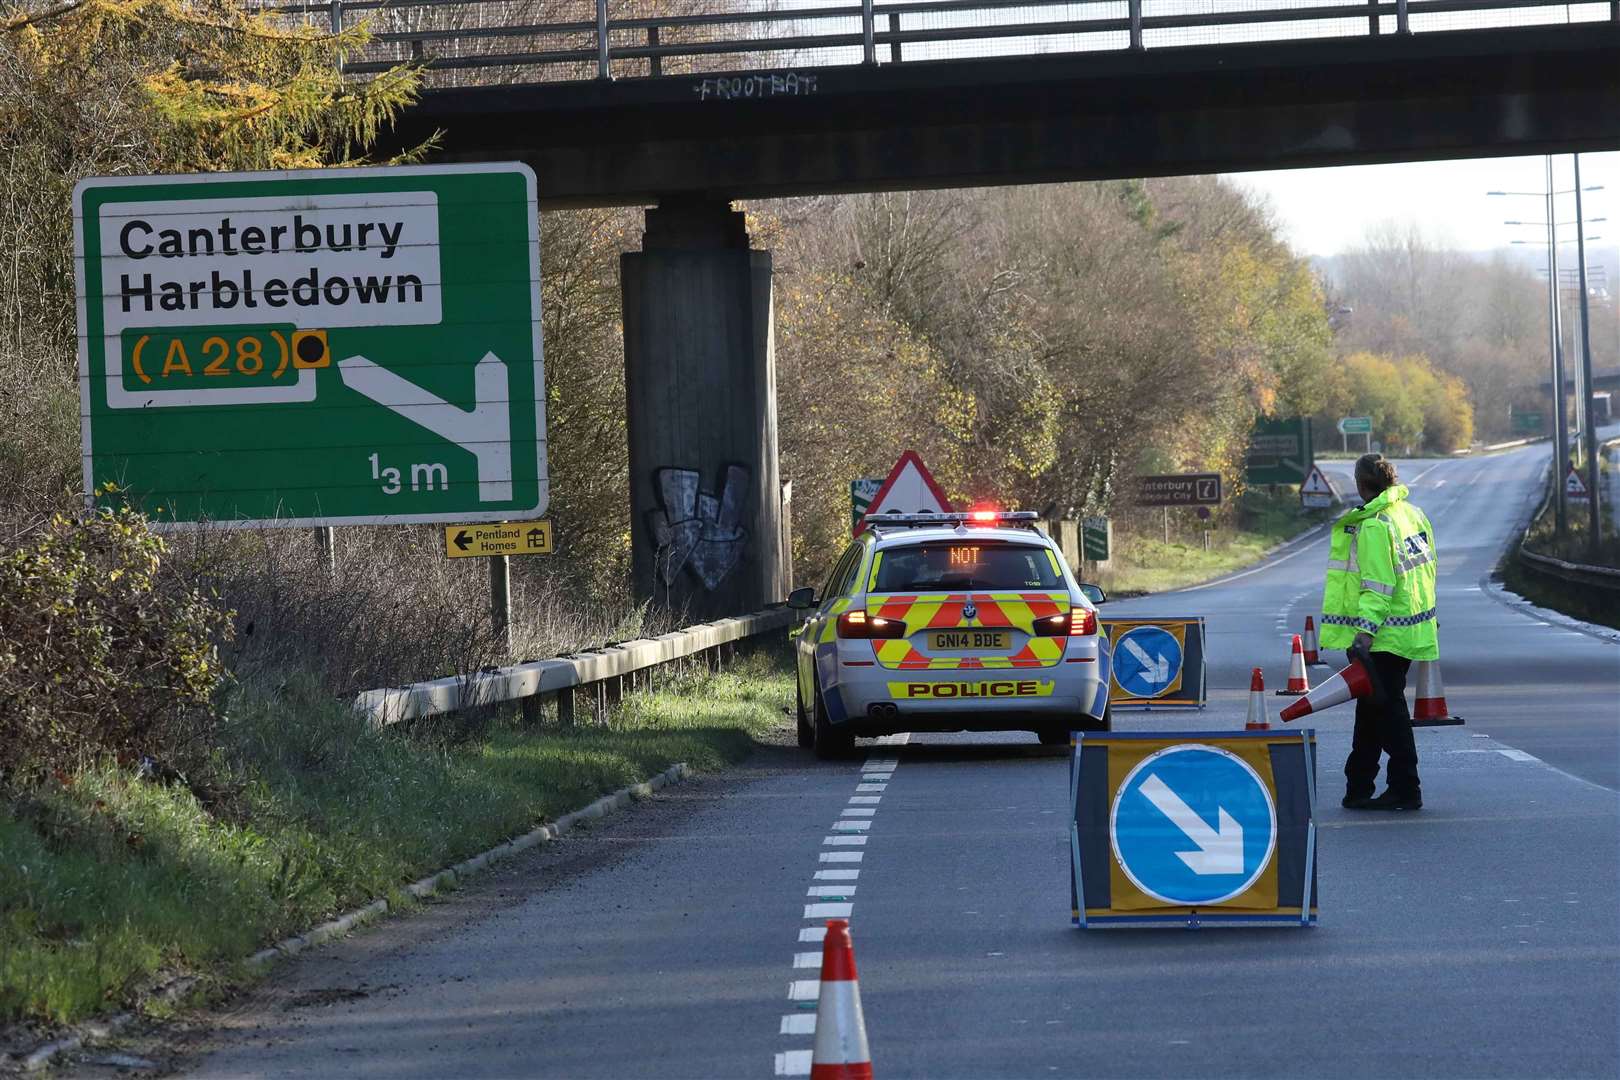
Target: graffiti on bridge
[(695, 530)]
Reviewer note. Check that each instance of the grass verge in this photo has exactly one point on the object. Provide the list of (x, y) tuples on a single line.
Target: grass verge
[(1146, 564), (110, 879)]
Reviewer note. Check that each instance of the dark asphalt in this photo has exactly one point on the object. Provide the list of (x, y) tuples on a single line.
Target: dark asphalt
[(1479, 937)]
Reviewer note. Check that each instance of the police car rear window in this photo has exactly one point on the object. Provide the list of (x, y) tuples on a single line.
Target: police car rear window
[(965, 564)]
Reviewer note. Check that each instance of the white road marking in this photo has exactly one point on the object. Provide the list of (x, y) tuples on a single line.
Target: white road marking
[(840, 891), (828, 911), (847, 825), (842, 856), (1515, 755), (870, 787), (794, 1062), (865, 800), (804, 989), (880, 764), (837, 875), (811, 934), (843, 841), (858, 811), (807, 960), (799, 1024)]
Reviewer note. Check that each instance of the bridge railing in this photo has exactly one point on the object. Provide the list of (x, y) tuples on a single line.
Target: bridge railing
[(466, 42)]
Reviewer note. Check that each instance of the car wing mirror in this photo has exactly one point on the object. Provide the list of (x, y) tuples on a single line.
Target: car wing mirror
[(1094, 593), (802, 599)]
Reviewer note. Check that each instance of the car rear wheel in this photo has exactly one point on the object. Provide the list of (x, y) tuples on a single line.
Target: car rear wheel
[(830, 742), (1059, 736)]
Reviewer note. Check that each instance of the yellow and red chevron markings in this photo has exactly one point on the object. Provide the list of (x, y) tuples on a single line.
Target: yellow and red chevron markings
[(943, 611)]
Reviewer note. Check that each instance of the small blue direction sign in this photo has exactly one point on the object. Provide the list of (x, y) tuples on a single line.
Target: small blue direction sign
[(1147, 661), (1193, 824)]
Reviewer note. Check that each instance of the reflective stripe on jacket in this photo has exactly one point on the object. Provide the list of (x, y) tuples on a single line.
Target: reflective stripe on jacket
[(1380, 579)]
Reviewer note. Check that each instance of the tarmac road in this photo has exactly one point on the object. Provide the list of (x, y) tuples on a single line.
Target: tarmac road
[(1478, 937)]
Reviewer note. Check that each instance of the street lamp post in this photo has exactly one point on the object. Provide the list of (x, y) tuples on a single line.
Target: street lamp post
[(1555, 334), (1589, 428)]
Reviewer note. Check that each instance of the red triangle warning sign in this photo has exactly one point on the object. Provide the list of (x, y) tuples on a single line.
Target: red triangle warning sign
[(909, 489), (1574, 485), (1316, 483)]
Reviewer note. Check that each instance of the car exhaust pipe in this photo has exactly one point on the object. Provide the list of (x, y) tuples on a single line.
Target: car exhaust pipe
[(883, 710)]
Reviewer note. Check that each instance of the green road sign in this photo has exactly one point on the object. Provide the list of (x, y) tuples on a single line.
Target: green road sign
[(321, 347), (861, 494), (1355, 425), (1095, 534), (1527, 423), (1280, 451)]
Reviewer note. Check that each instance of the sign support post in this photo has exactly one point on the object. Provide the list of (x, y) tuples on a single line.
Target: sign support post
[(326, 541), (500, 600)]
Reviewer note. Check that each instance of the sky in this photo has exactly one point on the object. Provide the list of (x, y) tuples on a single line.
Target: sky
[(1326, 211)]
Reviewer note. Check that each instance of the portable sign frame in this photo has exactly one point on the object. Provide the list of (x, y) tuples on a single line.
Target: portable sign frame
[(1317, 492), (313, 347), (909, 461), (1279, 889), (1187, 690)]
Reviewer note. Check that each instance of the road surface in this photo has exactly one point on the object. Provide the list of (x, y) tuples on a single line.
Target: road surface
[(1479, 937)]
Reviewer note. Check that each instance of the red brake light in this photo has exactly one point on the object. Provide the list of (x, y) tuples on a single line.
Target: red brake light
[(857, 624), (1067, 625)]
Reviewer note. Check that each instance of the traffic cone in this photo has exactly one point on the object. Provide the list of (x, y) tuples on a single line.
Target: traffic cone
[(1429, 709), (1257, 703), (1311, 654), (1297, 683), (841, 1052), (1352, 681)]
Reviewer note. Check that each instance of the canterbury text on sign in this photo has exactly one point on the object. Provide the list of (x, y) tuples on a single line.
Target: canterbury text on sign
[(315, 347), (1188, 489)]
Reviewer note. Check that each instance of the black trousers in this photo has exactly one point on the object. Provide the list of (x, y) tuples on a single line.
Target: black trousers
[(1384, 728)]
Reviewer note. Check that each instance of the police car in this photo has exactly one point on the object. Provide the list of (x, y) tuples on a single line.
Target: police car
[(949, 622)]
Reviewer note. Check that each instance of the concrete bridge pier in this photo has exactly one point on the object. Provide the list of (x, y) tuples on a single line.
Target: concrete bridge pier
[(700, 381)]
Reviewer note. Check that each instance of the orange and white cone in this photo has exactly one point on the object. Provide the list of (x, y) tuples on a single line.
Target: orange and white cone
[(1297, 683), (1312, 656), (841, 1052), (1257, 703), (1429, 709), (1352, 681)]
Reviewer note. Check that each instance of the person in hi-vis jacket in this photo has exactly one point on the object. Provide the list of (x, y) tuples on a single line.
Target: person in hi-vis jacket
[(1378, 605)]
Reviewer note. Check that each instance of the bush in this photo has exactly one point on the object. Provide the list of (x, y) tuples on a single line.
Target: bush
[(100, 655)]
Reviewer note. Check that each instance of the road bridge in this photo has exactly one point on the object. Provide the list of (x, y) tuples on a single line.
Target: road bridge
[(690, 104)]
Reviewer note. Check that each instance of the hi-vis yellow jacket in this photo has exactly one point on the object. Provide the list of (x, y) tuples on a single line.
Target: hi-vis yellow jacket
[(1380, 579)]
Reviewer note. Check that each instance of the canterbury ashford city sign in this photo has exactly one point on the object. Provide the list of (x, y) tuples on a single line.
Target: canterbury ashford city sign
[(326, 347)]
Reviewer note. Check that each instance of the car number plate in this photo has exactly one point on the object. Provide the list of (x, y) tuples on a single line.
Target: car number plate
[(959, 640)]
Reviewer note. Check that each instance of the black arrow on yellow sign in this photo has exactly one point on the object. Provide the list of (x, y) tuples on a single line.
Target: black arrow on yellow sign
[(463, 540)]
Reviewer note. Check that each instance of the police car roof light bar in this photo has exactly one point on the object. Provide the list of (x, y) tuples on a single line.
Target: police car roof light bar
[(977, 517)]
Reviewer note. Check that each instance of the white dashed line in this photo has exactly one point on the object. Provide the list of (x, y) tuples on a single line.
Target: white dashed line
[(832, 896), (794, 1063), (1516, 755)]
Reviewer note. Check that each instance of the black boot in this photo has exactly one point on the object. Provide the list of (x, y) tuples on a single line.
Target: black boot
[(1393, 800), (1356, 800)]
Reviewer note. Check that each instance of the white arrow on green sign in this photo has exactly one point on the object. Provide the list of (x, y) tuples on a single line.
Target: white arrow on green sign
[(1355, 425), (318, 347)]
